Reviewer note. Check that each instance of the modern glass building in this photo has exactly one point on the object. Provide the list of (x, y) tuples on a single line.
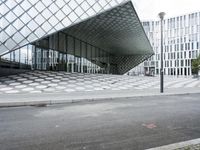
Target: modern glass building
[(181, 44), (87, 36)]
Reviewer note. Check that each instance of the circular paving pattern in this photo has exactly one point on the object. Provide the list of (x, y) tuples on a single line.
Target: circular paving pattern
[(14, 84), (55, 80), (46, 82), (20, 86), (26, 82), (58, 77), (49, 78), (6, 89), (115, 89), (71, 85), (69, 90), (63, 83), (10, 81), (32, 78), (53, 84), (41, 87), (49, 90), (65, 79), (60, 87), (88, 86), (22, 79), (2, 86), (40, 81), (43, 76), (98, 89), (80, 88), (34, 84), (12, 91), (51, 75), (15, 77), (35, 91), (28, 89), (72, 81), (80, 83)]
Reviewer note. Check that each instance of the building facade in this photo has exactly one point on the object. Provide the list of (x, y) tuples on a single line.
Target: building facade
[(86, 36), (181, 44)]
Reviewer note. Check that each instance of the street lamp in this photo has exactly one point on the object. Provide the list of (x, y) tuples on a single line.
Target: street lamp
[(161, 15)]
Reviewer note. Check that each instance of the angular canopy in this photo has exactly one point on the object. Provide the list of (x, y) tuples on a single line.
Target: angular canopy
[(117, 30)]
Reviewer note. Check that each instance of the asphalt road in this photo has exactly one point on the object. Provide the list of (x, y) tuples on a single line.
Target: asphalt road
[(123, 124)]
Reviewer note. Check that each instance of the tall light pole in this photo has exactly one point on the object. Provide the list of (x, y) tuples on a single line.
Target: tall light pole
[(161, 15)]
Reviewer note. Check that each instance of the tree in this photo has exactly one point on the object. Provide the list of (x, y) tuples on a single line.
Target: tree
[(196, 65)]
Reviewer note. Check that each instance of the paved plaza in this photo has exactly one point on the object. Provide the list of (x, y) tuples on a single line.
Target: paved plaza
[(54, 82)]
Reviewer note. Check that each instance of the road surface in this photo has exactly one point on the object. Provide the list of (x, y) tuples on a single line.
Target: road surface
[(123, 124)]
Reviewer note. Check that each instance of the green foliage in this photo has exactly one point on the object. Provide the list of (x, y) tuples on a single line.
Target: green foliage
[(196, 65)]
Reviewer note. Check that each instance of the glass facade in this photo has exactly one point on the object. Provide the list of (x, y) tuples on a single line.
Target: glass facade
[(60, 53), (18, 59), (24, 21), (72, 36)]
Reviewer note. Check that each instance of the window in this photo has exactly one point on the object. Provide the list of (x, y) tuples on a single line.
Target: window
[(177, 47), (181, 46), (193, 54), (192, 45), (188, 46)]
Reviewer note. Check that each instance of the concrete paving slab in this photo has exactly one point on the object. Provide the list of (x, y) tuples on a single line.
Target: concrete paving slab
[(187, 145)]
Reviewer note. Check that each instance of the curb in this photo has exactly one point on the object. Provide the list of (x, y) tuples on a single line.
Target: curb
[(79, 100), (177, 145)]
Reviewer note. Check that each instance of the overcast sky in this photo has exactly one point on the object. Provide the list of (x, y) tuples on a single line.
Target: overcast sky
[(149, 9)]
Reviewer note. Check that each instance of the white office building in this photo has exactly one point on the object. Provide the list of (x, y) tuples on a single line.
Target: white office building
[(181, 44)]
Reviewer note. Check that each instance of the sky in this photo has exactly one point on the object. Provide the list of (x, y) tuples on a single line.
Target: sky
[(149, 9)]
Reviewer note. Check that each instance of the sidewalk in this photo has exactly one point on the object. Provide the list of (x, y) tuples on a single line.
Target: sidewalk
[(11, 100), (187, 145)]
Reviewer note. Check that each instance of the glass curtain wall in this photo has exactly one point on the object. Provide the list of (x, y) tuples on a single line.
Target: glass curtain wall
[(60, 52), (67, 53), (18, 59)]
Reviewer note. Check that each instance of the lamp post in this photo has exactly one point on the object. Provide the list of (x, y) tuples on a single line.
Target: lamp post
[(161, 15)]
